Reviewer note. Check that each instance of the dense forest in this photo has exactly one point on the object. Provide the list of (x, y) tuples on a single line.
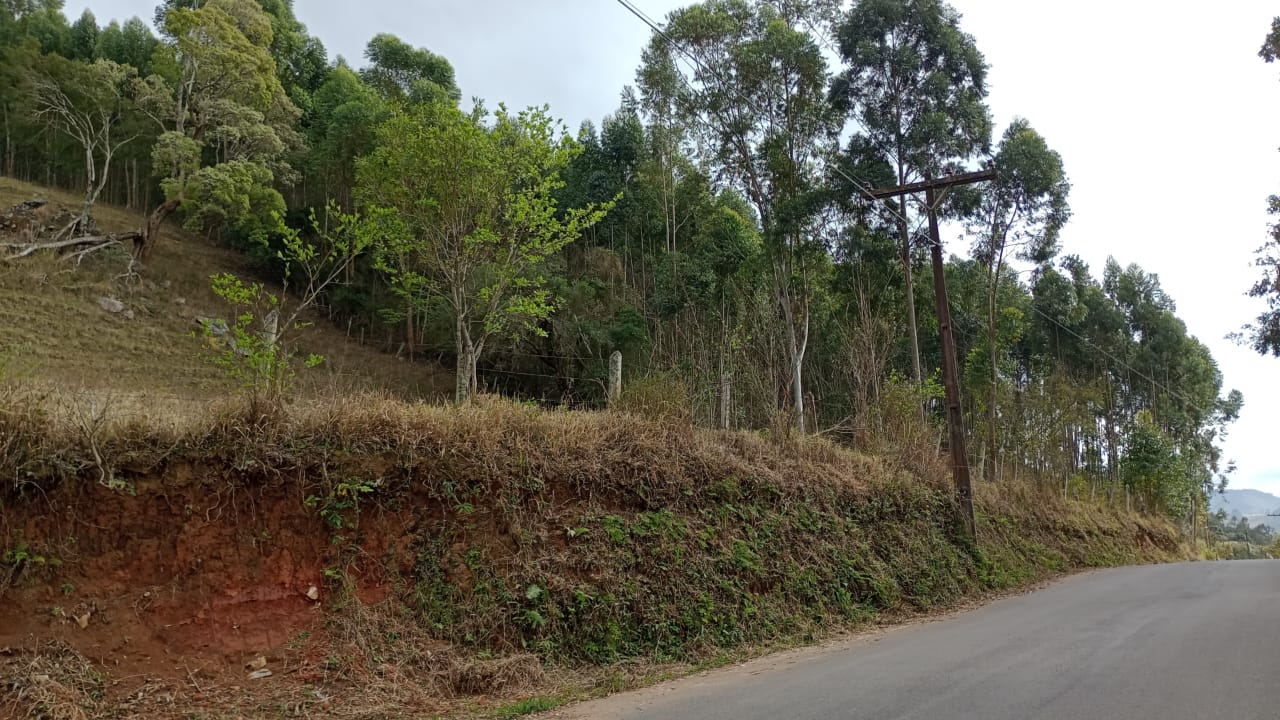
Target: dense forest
[(717, 229)]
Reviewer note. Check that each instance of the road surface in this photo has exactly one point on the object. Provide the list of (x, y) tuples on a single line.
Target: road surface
[(1191, 641)]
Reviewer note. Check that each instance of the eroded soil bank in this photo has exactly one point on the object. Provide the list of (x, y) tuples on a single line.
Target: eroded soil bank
[(379, 559)]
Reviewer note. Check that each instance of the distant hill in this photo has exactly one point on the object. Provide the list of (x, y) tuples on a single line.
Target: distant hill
[(1249, 503)]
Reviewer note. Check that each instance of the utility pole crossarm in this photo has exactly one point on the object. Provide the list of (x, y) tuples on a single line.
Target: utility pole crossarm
[(968, 178)]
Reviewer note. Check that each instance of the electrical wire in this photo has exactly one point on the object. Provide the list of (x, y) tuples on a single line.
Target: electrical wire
[(861, 185)]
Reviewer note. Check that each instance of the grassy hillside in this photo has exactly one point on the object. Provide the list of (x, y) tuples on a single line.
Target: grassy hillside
[(53, 331), (384, 559)]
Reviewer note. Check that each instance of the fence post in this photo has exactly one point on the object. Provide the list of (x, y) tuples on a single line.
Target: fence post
[(725, 402), (615, 378)]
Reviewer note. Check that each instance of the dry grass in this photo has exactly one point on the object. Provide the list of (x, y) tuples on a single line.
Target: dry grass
[(51, 681), (52, 328), (537, 552)]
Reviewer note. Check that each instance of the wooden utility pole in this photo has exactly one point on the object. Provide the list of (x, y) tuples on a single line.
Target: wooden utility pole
[(950, 366)]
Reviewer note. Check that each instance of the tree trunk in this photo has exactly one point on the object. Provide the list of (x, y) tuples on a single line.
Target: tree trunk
[(905, 236), (797, 387), (151, 231), (724, 366), (993, 443), (473, 362), (464, 366), (94, 183), (8, 145), (408, 330), (797, 342)]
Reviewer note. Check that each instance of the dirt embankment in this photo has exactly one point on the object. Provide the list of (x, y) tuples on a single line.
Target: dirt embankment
[(380, 559)]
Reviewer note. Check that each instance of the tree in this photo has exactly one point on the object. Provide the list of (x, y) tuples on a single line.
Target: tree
[(261, 339), (756, 99), (217, 98), (39, 19), (345, 113), (916, 85), (130, 44), (83, 41), (1263, 334), (470, 217), (1021, 213), (88, 103), (399, 71)]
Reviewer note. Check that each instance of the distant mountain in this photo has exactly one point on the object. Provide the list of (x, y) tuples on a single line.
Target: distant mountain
[(1252, 504)]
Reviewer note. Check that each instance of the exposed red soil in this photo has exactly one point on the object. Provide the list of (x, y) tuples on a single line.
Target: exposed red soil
[(187, 576)]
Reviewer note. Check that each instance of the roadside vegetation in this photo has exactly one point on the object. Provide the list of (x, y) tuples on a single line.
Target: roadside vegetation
[(472, 554), (305, 367)]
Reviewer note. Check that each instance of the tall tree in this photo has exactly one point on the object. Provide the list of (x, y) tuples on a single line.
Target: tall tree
[(1020, 214), (83, 40), (471, 217), (399, 71), (1263, 334), (756, 98), (345, 114), (916, 85), (227, 123), (92, 105), (130, 44)]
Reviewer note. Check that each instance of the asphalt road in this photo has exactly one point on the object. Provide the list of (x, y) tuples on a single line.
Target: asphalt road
[(1193, 641)]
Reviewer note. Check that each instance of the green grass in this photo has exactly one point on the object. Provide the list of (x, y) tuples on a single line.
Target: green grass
[(526, 707)]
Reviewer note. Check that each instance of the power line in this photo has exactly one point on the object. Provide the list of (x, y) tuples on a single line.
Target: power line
[(1113, 358), (860, 185)]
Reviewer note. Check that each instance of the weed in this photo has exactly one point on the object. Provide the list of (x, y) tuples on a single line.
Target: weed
[(526, 707)]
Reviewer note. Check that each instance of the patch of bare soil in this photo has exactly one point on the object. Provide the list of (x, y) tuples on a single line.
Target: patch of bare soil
[(206, 594)]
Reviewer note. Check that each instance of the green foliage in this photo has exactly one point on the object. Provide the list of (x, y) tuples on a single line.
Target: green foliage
[(711, 229), (246, 126), (472, 217), (339, 507), (398, 71), (1263, 334), (250, 353), (82, 43), (21, 554), (915, 81), (130, 44), (526, 707), (257, 346), (756, 101)]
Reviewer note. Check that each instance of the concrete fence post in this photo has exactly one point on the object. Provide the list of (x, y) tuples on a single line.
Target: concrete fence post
[(615, 378)]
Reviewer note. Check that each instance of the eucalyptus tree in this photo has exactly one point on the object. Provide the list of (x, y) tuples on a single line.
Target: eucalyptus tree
[(344, 117), (1020, 214), (401, 72), (915, 85), (1263, 334), (93, 105), (300, 58), (754, 97), (82, 41), (226, 123), (130, 44)]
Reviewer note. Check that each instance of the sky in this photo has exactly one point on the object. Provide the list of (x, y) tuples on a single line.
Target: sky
[(1162, 111)]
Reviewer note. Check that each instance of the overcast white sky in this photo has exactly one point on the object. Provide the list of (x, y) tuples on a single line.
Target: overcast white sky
[(1162, 111)]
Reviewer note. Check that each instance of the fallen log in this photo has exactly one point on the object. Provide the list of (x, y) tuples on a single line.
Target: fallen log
[(94, 240)]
